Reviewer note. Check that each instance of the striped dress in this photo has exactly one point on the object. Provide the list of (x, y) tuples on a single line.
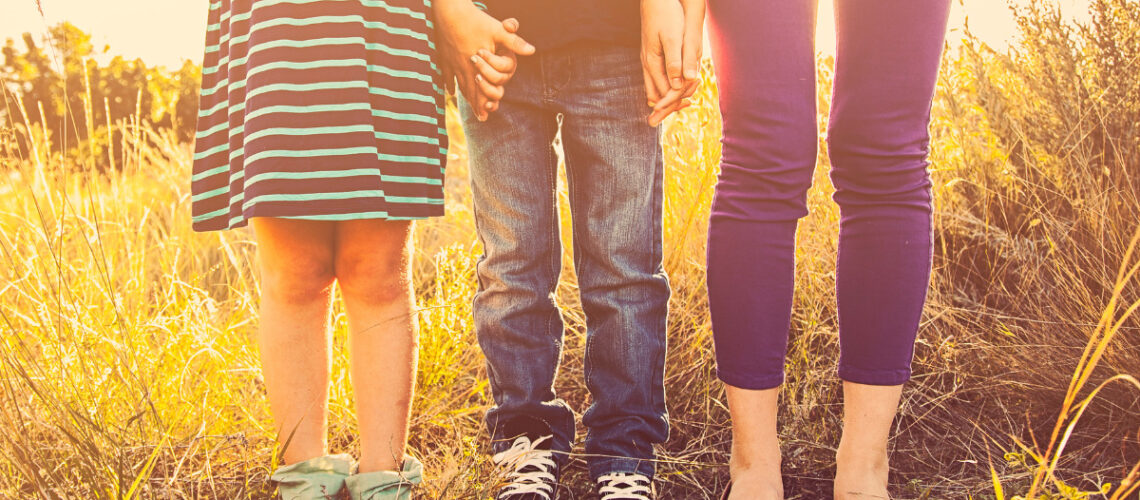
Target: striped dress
[(318, 109)]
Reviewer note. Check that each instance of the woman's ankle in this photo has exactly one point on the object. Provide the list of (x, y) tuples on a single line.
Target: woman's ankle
[(740, 467), (755, 457), (757, 470), (861, 473), (760, 481), (864, 459)]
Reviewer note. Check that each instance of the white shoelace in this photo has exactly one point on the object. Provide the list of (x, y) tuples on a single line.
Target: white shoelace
[(538, 465), (625, 485)]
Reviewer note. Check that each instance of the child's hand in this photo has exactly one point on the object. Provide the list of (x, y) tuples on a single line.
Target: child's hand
[(672, 35), (495, 69), (477, 52)]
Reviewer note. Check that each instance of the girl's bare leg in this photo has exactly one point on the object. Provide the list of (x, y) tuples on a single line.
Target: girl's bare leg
[(295, 259), (373, 268)]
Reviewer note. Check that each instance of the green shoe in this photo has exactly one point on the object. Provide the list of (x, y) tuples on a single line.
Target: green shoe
[(386, 485), (320, 478)]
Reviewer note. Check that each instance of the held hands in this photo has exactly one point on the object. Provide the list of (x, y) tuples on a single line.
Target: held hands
[(672, 34), (477, 52)]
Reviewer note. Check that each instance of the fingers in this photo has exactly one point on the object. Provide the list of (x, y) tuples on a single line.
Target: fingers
[(483, 94), (469, 86), (489, 73), (485, 98), (693, 42), (673, 101), (511, 25), (650, 88), (654, 65), (665, 107), (513, 42), (671, 46), (490, 81), (690, 88), (504, 61), (659, 115), (672, 97), (489, 90)]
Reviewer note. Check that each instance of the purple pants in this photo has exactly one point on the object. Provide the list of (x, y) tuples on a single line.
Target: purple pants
[(887, 62)]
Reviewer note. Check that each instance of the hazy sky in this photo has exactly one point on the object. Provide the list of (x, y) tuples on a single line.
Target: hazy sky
[(168, 31)]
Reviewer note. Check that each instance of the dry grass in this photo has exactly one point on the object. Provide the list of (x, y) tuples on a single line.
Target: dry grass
[(128, 368)]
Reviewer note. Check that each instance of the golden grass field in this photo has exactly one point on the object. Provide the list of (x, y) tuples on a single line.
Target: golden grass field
[(129, 369)]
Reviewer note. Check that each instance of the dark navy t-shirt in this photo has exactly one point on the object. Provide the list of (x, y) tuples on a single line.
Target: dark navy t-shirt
[(550, 24)]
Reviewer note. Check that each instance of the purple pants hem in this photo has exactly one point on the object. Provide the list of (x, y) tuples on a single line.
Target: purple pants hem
[(750, 382), (873, 377)]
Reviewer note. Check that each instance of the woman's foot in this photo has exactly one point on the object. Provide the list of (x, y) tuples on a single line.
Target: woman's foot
[(861, 476)]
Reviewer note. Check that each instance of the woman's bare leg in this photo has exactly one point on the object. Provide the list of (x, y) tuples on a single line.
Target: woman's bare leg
[(861, 462), (374, 272), (755, 462), (296, 264)]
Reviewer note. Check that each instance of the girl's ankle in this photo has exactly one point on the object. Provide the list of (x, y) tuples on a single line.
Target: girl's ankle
[(365, 465)]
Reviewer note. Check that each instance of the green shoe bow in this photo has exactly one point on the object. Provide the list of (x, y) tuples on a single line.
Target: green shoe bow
[(320, 478), (386, 485)]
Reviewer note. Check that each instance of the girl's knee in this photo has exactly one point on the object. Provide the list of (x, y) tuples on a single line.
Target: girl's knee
[(301, 278), (376, 276)]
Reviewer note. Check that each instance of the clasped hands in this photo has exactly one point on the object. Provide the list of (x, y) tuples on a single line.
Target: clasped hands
[(479, 54)]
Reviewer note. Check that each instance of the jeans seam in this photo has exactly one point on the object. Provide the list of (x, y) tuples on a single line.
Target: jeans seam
[(479, 286), (655, 211), (555, 249), (656, 223)]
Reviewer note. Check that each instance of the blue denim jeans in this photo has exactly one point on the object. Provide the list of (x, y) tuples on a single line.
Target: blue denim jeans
[(614, 164)]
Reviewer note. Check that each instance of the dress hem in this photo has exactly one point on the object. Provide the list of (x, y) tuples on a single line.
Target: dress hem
[(212, 225)]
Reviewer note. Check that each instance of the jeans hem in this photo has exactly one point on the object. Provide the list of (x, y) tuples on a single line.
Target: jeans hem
[(874, 377), (608, 465), (750, 382)]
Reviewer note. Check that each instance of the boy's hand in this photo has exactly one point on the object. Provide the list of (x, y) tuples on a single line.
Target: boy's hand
[(672, 37), (477, 52)]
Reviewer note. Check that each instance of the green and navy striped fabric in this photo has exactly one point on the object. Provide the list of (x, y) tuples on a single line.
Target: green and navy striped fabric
[(319, 109)]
